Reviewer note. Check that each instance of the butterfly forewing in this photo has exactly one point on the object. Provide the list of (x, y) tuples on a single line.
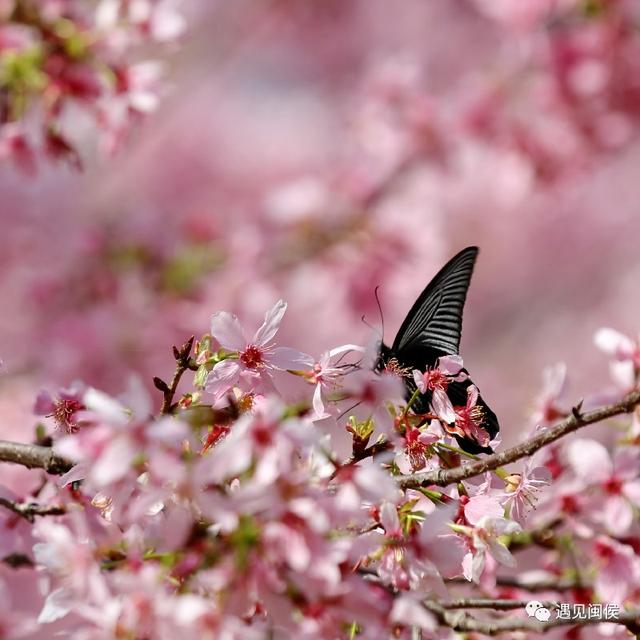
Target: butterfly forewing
[(435, 320)]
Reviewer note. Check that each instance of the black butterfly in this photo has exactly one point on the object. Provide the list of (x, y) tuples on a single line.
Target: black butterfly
[(431, 330)]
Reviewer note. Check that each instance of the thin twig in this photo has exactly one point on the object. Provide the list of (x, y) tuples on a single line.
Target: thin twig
[(17, 560), (488, 603), (460, 621), (533, 586), (182, 357), (34, 456), (577, 420), (29, 510)]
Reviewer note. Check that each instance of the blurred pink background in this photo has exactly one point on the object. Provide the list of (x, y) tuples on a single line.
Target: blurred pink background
[(313, 151)]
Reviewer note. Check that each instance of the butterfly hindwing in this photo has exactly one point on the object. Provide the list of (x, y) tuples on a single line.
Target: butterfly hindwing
[(431, 330), (435, 320)]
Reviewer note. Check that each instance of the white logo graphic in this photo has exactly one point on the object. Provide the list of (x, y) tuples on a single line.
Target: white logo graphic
[(536, 610)]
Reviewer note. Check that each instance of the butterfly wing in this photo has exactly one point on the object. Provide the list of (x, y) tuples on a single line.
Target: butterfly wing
[(432, 329), (435, 320)]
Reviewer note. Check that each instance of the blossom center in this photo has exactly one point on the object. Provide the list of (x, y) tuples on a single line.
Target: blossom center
[(64, 411), (435, 379), (613, 486), (251, 357)]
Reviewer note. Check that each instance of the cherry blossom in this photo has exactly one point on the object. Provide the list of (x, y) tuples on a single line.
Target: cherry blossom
[(625, 353), (254, 357)]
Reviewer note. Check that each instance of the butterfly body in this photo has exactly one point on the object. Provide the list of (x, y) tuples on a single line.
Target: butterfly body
[(431, 331)]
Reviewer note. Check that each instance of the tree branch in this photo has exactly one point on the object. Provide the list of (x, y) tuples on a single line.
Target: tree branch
[(29, 510), (460, 621), (533, 586), (34, 456), (488, 603), (17, 560), (577, 420), (182, 364)]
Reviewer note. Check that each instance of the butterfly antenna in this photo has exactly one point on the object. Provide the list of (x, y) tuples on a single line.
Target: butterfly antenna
[(364, 319), (347, 410), (375, 292)]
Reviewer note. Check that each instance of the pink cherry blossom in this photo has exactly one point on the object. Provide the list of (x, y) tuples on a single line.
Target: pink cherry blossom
[(616, 482), (625, 353), (255, 357), (485, 541), (523, 488), (618, 575), (324, 375), (468, 419)]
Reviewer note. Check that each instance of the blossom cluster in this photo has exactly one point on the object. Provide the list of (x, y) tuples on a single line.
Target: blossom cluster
[(271, 500), (65, 62)]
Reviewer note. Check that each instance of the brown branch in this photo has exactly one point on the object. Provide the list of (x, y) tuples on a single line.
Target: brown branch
[(577, 420), (17, 560), (534, 586), (460, 621), (488, 603), (34, 456), (182, 364), (29, 510)]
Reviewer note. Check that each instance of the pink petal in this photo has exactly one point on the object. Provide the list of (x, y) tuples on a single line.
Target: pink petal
[(106, 407), (480, 506), (318, 405), (623, 373), (451, 365), (589, 460), (286, 358), (626, 463), (632, 491), (617, 515), (272, 320), (472, 395), (389, 519), (501, 554), (418, 378), (57, 605), (407, 610), (442, 406), (614, 343), (114, 463), (344, 349), (222, 377), (226, 329), (44, 404)]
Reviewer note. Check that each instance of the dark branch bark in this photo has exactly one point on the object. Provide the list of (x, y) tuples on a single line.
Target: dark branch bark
[(460, 621), (488, 603), (577, 420), (182, 357), (29, 510), (34, 456), (533, 586)]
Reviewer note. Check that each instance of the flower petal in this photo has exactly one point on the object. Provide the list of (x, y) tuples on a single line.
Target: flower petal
[(480, 506), (108, 408), (318, 405), (418, 378), (442, 406), (451, 365), (272, 320), (222, 377), (614, 343), (56, 606), (589, 460), (286, 358), (114, 462), (344, 349), (226, 329)]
